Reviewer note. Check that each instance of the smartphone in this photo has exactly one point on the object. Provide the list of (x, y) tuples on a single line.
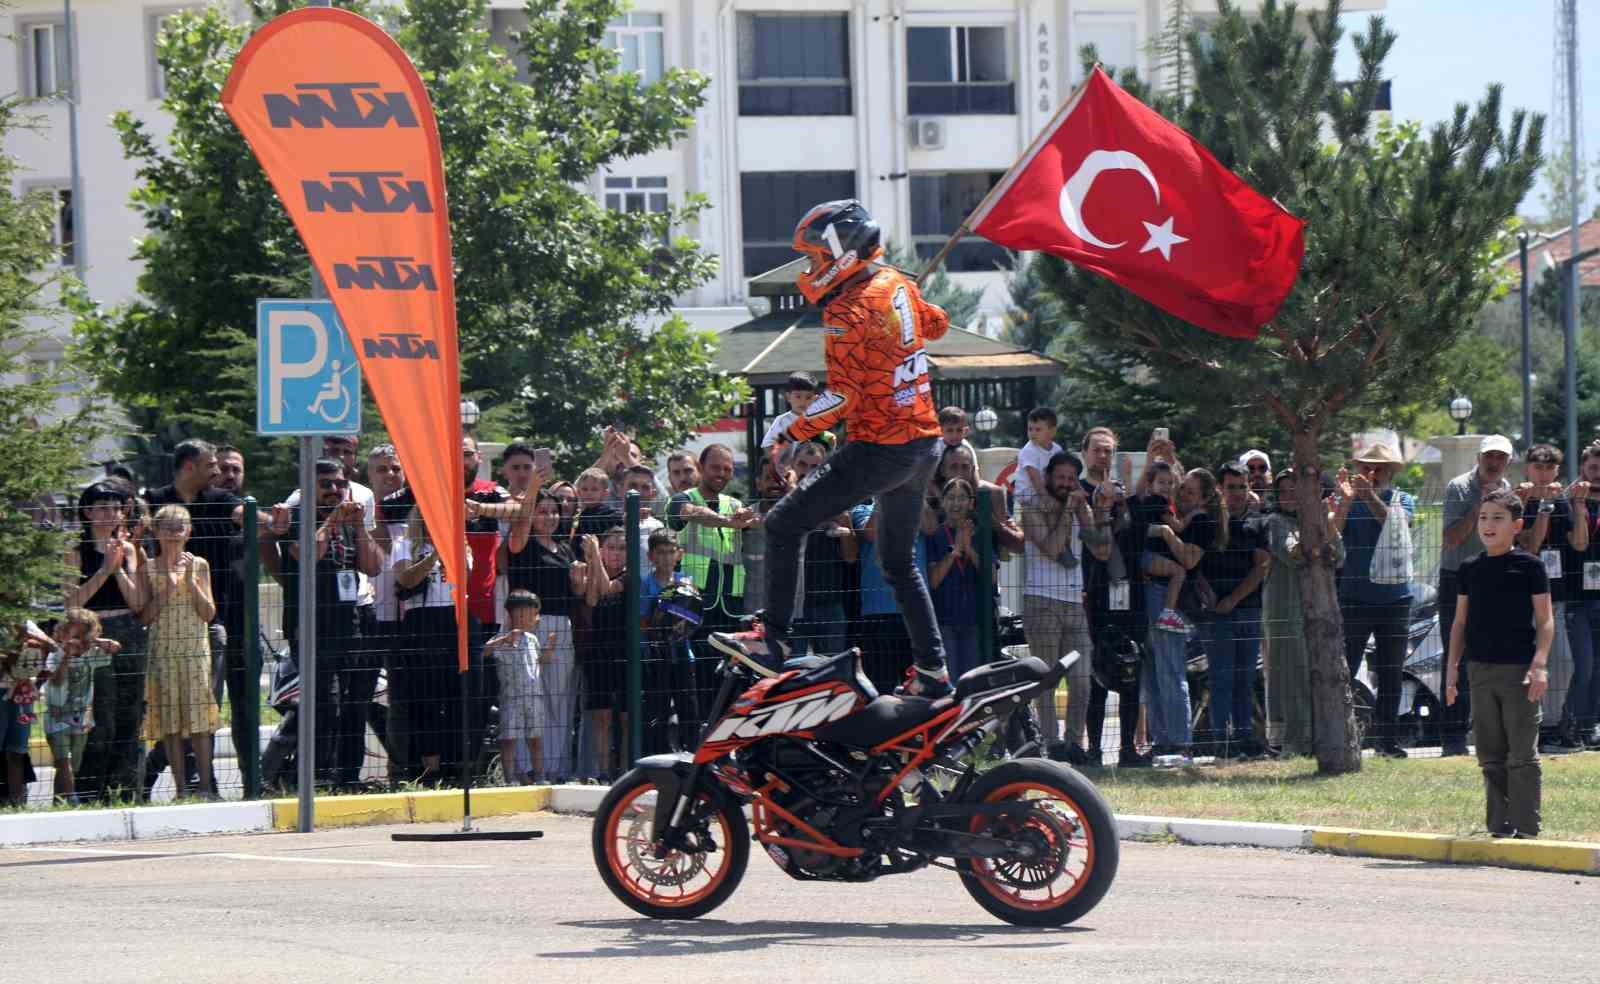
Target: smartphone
[(1159, 434), (543, 460)]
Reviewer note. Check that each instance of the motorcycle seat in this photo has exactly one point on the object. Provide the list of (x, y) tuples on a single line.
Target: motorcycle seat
[(883, 719), (808, 671)]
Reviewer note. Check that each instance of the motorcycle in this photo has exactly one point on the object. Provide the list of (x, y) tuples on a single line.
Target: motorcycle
[(843, 784)]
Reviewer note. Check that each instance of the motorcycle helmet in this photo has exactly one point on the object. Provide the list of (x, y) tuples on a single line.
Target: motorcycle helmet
[(1117, 656), (840, 239), (676, 614)]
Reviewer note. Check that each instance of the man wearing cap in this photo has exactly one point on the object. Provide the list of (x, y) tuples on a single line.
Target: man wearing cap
[(1258, 470), (1370, 609), (1461, 543)]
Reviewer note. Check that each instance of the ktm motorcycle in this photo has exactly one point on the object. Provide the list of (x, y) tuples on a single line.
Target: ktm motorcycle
[(844, 784)]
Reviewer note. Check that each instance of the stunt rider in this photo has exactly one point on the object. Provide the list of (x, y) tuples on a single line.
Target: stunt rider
[(874, 323)]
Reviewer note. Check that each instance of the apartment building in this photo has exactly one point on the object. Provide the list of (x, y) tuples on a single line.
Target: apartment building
[(914, 106)]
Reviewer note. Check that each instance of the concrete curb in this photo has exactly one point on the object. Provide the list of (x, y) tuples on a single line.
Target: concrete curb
[(436, 806), (431, 806)]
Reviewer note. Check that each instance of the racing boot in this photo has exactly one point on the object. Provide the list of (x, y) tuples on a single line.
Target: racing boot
[(920, 682), (751, 647)]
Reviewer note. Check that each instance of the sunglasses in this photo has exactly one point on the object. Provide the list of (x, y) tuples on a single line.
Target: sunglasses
[(332, 483)]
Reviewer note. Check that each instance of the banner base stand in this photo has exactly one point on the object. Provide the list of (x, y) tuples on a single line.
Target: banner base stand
[(472, 835)]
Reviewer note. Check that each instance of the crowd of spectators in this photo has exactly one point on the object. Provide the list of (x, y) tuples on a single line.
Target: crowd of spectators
[(1140, 572)]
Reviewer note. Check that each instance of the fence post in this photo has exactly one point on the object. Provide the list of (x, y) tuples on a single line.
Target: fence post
[(630, 619), (985, 538), (247, 747)]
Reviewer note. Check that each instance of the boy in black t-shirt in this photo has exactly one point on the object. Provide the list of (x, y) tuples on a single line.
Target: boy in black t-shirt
[(1503, 622)]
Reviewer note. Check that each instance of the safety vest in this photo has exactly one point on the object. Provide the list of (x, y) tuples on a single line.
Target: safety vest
[(705, 545)]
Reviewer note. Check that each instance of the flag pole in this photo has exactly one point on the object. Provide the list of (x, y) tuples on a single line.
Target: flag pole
[(1009, 178)]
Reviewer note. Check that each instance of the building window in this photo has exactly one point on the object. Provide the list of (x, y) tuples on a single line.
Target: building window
[(502, 25), (939, 202), (794, 65), (63, 228), (959, 70), (1114, 34), (154, 25), (773, 202), (640, 43), (638, 195), (49, 62)]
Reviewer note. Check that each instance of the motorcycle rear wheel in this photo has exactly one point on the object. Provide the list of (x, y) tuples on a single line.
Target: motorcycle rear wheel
[(680, 885), (1074, 875)]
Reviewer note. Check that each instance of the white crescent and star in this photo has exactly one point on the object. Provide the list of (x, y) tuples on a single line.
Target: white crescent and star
[(1162, 237)]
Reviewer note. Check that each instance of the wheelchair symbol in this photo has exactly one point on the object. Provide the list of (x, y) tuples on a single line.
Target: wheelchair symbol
[(333, 390)]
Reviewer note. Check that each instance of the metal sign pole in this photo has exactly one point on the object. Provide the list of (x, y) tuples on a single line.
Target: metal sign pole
[(306, 569)]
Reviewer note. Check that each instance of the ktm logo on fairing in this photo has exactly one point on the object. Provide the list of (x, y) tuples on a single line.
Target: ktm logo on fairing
[(399, 345), (345, 106), (379, 192), (800, 714), (384, 273)]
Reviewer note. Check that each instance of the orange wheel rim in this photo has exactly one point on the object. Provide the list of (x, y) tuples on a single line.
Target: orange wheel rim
[(675, 881), (1025, 886)]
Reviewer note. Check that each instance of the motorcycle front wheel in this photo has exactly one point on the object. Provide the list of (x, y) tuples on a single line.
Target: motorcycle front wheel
[(1072, 834), (678, 884)]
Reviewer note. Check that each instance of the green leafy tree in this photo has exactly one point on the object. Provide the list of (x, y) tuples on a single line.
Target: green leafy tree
[(1557, 194), (1400, 238), (552, 288), (42, 447)]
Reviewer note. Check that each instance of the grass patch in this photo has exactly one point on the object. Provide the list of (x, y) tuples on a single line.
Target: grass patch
[(1439, 796)]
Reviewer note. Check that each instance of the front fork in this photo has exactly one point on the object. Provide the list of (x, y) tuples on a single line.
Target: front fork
[(672, 810)]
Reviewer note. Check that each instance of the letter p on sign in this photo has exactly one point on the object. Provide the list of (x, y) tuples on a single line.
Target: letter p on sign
[(308, 378)]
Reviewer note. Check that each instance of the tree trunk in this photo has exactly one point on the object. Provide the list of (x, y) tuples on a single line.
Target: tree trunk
[(1333, 714)]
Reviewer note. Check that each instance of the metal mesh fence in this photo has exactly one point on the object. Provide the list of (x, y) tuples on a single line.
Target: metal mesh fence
[(1191, 646)]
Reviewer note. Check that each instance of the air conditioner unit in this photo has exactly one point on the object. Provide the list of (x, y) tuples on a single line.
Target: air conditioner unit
[(927, 133)]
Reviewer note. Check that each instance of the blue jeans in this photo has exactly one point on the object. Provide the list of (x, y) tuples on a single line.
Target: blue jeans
[(1233, 643), (1164, 683), (897, 476), (1583, 635), (960, 648)]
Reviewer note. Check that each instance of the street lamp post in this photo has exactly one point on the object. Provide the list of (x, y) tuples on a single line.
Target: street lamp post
[(985, 420), (1461, 411), (469, 416)]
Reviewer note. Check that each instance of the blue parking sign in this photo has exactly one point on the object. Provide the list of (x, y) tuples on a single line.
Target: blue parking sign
[(308, 380)]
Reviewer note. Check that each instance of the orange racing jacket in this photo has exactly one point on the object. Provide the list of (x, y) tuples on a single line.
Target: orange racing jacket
[(878, 382)]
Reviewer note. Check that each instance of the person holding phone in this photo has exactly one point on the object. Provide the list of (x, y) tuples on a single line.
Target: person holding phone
[(345, 549)]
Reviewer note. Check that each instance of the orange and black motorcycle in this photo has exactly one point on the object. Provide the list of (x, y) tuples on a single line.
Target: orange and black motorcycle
[(842, 784)]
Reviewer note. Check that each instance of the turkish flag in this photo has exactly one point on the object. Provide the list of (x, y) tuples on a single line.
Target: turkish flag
[(1114, 187)]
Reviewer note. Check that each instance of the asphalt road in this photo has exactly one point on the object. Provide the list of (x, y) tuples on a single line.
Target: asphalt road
[(351, 905)]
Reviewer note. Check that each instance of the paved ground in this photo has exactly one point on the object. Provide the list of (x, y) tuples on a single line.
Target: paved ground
[(351, 905)]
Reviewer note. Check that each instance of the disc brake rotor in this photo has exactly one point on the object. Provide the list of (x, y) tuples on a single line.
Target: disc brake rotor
[(677, 868), (1046, 833)]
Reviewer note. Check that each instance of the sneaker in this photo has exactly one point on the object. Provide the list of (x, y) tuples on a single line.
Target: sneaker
[(924, 683), (1171, 621), (1134, 761), (1591, 740), (1389, 749), (752, 648), (1453, 748), (1077, 757)]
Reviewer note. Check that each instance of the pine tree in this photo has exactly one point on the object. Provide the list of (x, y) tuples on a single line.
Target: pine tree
[(1400, 238), (42, 448)]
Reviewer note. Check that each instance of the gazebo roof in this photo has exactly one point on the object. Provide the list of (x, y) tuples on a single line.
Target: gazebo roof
[(767, 349)]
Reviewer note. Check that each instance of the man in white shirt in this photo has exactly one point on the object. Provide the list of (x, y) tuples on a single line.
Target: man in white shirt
[(1057, 526)]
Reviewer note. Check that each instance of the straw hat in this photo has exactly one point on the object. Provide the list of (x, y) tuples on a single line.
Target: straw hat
[(1378, 454)]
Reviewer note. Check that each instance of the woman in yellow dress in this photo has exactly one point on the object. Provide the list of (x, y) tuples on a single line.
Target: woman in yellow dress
[(178, 609)]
